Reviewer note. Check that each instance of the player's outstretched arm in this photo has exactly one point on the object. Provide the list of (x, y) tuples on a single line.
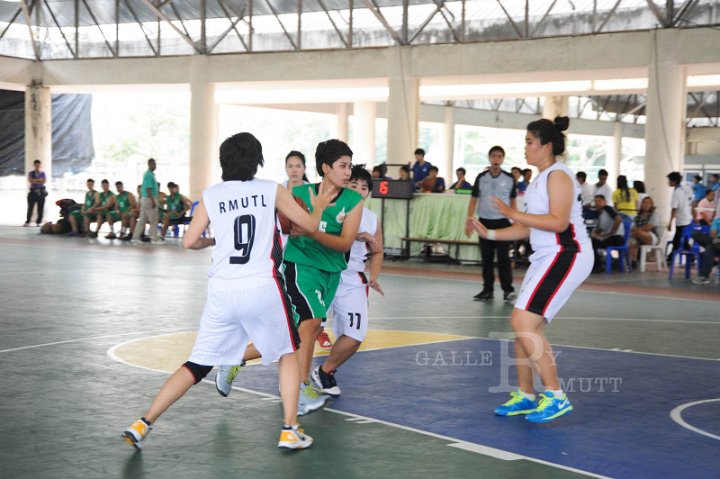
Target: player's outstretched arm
[(192, 239), (515, 232), (285, 203)]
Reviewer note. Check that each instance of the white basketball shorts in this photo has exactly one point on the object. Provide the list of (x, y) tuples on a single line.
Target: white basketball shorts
[(239, 311), (350, 308)]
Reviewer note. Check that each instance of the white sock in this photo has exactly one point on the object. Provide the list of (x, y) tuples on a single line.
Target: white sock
[(557, 393), (526, 395)]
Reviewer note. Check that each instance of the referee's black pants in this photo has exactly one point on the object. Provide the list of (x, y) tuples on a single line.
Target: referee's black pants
[(488, 249)]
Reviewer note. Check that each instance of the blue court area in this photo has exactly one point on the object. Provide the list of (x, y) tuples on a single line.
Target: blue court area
[(621, 426)]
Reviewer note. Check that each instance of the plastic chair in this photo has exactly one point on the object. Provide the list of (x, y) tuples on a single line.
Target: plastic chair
[(621, 250), (660, 254), (687, 253)]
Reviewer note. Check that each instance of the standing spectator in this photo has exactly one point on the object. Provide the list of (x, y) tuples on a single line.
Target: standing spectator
[(625, 198), (609, 232), (491, 183), (698, 189), (461, 183), (681, 212), (421, 168), (522, 185), (37, 194), (602, 188), (705, 211), (148, 206), (586, 195), (516, 173), (433, 183)]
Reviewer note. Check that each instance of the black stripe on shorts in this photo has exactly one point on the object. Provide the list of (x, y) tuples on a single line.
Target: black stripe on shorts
[(302, 308), (550, 283)]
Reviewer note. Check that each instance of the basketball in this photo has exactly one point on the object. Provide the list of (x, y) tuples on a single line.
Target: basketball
[(285, 223)]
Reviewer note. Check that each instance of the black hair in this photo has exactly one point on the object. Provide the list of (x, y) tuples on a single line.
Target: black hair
[(297, 154), (151, 159), (90, 179), (698, 177), (36, 162), (434, 168), (674, 177), (496, 148), (639, 186), (405, 168), (360, 173), (622, 185), (328, 152), (119, 183), (105, 181), (602, 197), (551, 132), (526, 170), (171, 185), (464, 171), (716, 176), (419, 151), (581, 174), (602, 172), (240, 156)]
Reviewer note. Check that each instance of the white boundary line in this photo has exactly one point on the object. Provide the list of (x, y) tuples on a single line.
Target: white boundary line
[(92, 338), (676, 415), (359, 419), (574, 318)]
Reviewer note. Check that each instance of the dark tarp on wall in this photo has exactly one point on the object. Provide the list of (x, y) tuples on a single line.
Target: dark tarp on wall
[(72, 144)]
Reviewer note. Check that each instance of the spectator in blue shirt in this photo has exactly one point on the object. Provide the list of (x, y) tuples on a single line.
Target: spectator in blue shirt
[(461, 183), (714, 182), (712, 249), (433, 183), (421, 168)]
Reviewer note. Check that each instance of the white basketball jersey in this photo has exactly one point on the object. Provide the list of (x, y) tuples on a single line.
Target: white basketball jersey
[(360, 250), (242, 214), (537, 202)]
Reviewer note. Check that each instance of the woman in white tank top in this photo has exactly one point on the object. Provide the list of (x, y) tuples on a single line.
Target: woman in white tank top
[(562, 260)]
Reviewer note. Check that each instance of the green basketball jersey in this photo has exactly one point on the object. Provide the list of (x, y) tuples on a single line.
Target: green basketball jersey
[(123, 201), (105, 197), (305, 250), (89, 199), (174, 203)]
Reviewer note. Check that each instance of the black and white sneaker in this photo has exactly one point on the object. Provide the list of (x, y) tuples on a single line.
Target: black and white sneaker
[(510, 297), (325, 382)]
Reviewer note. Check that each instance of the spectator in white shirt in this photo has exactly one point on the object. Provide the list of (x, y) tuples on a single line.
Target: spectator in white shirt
[(602, 188), (586, 195)]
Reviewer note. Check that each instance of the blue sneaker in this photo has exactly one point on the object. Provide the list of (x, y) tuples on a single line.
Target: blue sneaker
[(310, 399), (518, 404), (550, 408)]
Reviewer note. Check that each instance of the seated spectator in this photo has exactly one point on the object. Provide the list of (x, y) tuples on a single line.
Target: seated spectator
[(80, 219), (432, 183), (461, 183), (645, 226), (176, 205), (698, 188), (404, 173), (624, 198), (711, 243), (122, 212), (705, 209), (609, 232), (107, 204), (379, 172)]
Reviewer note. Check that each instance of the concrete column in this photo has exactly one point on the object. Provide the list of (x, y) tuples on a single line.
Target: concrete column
[(38, 128), (612, 164), (342, 127), (447, 169), (203, 129), (555, 106), (363, 145), (403, 107), (665, 125)]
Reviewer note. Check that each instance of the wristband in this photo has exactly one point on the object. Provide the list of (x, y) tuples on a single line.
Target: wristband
[(491, 235)]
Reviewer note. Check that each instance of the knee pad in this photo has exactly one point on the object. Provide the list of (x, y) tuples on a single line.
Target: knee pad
[(198, 371)]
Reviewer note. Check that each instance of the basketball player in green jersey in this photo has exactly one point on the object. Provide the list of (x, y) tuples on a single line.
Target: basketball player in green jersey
[(176, 205), (107, 203), (312, 264), (77, 217), (122, 212)]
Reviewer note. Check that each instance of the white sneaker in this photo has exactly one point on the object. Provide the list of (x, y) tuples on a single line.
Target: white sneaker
[(309, 399), (294, 438), (702, 280), (225, 377)]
